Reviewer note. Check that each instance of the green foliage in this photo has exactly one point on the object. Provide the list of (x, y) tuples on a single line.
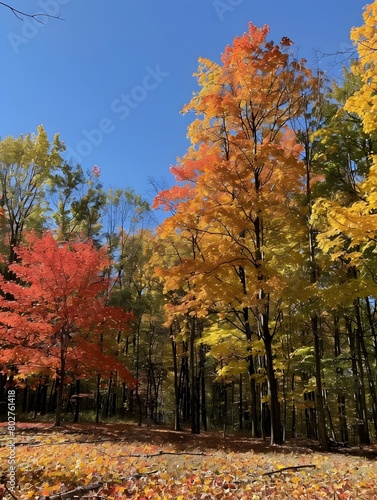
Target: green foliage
[(79, 202), (26, 165)]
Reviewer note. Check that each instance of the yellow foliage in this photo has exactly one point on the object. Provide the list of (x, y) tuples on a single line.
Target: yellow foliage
[(364, 101)]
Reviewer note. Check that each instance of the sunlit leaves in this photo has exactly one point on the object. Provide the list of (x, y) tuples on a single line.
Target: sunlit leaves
[(235, 205), (26, 164), (236, 186), (348, 233), (364, 101), (59, 463)]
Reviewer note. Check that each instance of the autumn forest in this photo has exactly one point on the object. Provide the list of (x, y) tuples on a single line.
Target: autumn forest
[(251, 307)]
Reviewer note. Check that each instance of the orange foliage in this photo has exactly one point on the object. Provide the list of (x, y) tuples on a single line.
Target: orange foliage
[(238, 182)]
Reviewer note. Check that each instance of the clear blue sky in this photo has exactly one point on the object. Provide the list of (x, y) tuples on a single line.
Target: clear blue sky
[(113, 76)]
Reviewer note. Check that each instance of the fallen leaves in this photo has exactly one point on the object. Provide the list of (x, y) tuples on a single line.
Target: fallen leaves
[(128, 469)]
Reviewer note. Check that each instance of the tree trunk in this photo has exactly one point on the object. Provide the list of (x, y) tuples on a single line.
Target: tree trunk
[(240, 405), (372, 324), (225, 408), (368, 368), (320, 406), (255, 432), (98, 402), (358, 377), (194, 403), (77, 400), (108, 395), (177, 426), (341, 396), (184, 384), (276, 430), (202, 380), (293, 424), (60, 393)]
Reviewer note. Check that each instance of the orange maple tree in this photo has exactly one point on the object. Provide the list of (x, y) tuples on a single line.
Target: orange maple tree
[(236, 192), (54, 315)]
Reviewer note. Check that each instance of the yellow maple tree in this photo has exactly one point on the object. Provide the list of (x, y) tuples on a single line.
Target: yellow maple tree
[(349, 230), (364, 101)]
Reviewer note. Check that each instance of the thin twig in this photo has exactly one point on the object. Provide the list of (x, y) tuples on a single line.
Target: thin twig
[(292, 467), (149, 455), (9, 492), (21, 15), (78, 492), (167, 453)]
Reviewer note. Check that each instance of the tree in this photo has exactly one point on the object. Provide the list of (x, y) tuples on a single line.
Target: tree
[(236, 191), (364, 100), (346, 221), (307, 125), (57, 319), (77, 202), (26, 165)]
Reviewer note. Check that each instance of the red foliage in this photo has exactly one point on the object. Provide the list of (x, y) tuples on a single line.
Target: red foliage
[(55, 311)]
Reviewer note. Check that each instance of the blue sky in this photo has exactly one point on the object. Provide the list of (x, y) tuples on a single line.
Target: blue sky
[(112, 76)]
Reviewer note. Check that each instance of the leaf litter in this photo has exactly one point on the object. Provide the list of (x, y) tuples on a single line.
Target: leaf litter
[(124, 461)]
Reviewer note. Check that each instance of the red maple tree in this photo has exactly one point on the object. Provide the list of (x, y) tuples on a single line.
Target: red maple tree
[(54, 316)]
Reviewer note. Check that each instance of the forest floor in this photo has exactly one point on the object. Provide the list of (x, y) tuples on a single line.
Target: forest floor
[(114, 461)]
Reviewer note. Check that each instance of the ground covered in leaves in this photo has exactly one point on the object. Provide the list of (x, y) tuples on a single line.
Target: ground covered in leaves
[(117, 461)]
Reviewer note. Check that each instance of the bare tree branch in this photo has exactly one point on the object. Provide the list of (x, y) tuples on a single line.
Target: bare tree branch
[(21, 15)]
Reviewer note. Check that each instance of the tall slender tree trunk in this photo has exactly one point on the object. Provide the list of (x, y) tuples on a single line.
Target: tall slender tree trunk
[(194, 403), (137, 348), (64, 338), (341, 396), (320, 404), (108, 396), (255, 429), (372, 327), (368, 368), (202, 381), (184, 384), (304, 136), (358, 377), (59, 402), (371, 323), (98, 401), (240, 404), (264, 332), (319, 397), (177, 426), (77, 405), (225, 408), (293, 424), (276, 429)]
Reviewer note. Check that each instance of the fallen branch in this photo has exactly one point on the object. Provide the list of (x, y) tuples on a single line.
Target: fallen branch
[(292, 467), (82, 490), (138, 475), (9, 492), (76, 493), (149, 455)]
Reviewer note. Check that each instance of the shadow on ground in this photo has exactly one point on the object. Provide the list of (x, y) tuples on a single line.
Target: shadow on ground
[(163, 436)]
